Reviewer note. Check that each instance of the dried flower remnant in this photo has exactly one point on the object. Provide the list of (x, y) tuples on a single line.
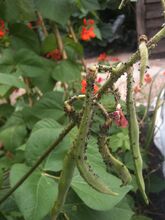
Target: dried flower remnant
[(54, 54), (137, 89), (119, 117), (147, 78)]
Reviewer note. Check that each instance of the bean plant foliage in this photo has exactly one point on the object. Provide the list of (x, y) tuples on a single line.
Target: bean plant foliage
[(55, 114)]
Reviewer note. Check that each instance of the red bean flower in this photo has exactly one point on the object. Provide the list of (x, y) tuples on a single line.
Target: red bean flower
[(87, 31), (114, 59), (3, 30), (102, 57), (147, 78), (84, 85)]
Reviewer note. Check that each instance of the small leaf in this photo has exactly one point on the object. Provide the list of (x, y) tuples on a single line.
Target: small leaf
[(49, 43)]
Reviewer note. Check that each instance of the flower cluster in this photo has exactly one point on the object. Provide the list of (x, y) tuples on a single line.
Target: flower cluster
[(54, 54), (87, 31), (147, 78), (102, 57), (3, 30), (84, 85), (119, 117)]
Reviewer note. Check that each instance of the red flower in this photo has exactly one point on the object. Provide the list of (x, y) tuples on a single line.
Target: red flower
[(85, 21), (147, 78), (84, 85), (91, 32), (103, 57), (2, 29), (2, 24), (85, 34), (114, 59), (99, 80), (2, 33), (88, 22), (137, 89), (163, 73), (91, 21), (119, 118), (87, 31), (55, 54)]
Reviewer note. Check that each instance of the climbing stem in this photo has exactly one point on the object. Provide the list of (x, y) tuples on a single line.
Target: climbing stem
[(60, 41), (41, 21)]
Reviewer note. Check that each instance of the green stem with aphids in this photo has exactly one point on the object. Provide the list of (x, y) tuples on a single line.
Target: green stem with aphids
[(134, 135), (81, 142)]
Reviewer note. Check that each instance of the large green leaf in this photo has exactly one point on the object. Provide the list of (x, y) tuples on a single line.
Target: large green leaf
[(24, 62), (43, 135), (91, 197), (76, 209), (50, 105), (15, 10), (67, 71), (35, 197), (58, 11), (23, 37)]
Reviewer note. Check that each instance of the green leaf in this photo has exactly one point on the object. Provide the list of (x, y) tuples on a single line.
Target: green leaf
[(58, 11), (13, 136), (119, 140), (76, 209), (88, 5), (91, 197), (51, 104), (66, 71), (10, 80), (19, 10), (35, 197), (49, 43), (23, 37), (43, 135)]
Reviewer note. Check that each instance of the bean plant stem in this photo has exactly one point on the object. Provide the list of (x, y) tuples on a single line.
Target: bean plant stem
[(72, 32), (66, 130), (60, 42), (40, 18)]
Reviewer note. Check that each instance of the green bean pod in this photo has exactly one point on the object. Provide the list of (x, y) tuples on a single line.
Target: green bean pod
[(109, 160), (134, 136), (69, 165), (143, 57), (80, 144)]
